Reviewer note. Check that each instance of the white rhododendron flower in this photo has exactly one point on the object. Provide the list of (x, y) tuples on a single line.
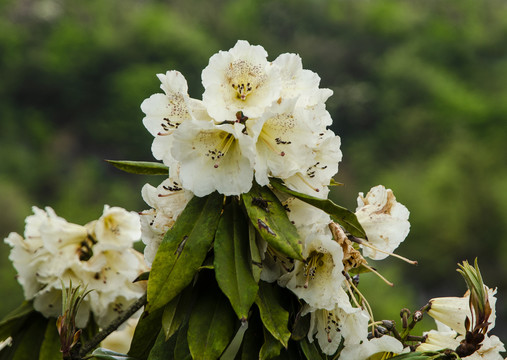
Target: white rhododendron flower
[(384, 220), (167, 201), (166, 112), (256, 118), (368, 348), (298, 82), (452, 311), (214, 157), (240, 79), (98, 255), (121, 339), (117, 228)]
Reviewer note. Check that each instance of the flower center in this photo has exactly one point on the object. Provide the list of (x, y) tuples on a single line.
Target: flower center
[(242, 90), (220, 151), (312, 263)]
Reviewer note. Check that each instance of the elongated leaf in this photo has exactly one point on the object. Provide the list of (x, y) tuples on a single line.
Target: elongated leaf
[(15, 319), (253, 339), (163, 349), (254, 253), (27, 342), (233, 348), (273, 315), (211, 327), (145, 334), (271, 347), (341, 215), (310, 350), (181, 350), (175, 312), (233, 268), (183, 249), (140, 167), (105, 354), (270, 219), (50, 349)]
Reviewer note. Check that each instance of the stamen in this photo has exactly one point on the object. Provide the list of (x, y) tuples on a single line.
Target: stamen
[(367, 244), (307, 183)]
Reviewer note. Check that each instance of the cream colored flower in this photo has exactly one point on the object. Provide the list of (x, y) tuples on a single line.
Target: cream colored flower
[(116, 229), (167, 201), (384, 220), (240, 79)]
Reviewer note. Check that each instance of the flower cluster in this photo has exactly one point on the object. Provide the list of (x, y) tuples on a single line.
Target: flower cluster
[(99, 255), (257, 119)]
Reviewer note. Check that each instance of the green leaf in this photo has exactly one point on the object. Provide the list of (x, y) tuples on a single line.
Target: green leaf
[(253, 339), (341, 215), (233, 269), (175, 312), (300, 327), (271, 347), (15, 319), (146, 333), (105, 354), (181, 350), (50, 349), (254, 253), (163, 349), (183, 249), (211, 327), (233, 348), (140, 167), (310, 350), (26, 343), (273, 315), (270, 219)]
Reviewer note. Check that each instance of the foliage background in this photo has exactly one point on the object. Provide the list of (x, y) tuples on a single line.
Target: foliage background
[(420, 102)]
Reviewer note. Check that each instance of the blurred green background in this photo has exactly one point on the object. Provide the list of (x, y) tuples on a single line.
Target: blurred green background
[(420, 102)]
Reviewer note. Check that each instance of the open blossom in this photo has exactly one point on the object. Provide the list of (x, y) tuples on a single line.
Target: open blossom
[(214, 157), (240, 79), (167, 201), (166, 112), (384, 220), (55, 251)]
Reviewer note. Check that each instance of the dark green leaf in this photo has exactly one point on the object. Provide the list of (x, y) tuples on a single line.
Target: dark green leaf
[(175, 312), (140, 167), (50, 349), (273, 315), (15, 319), (143, 277), (181, 350), (146, 333), (105, 354), (233, 268), (163, 349), (341, 215), (211, 327), (301, 327), (270, 219), (27, 342), (271, 347), (254, 253), (183, 249), (310, 350)]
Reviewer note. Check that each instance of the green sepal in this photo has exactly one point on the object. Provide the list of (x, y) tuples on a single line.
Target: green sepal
[(210, 327), (50, 348), (346, 218), (105, 354), (15, 319), (427, 355), (183, 249), (140, 167), (233, 270), (333, 182), (274, 317), (270, 218), (145, 334)]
